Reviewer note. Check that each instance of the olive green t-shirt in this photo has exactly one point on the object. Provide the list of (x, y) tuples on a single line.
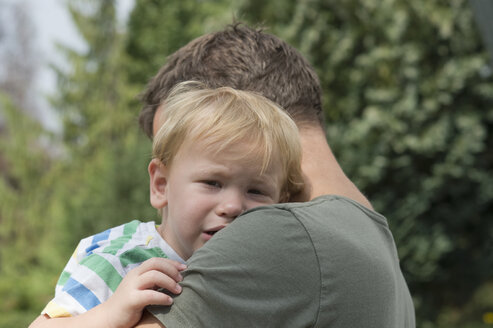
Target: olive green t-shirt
[(329, 262)]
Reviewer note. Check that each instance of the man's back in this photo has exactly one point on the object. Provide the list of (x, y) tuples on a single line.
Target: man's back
[(362, 284), (326, 263)]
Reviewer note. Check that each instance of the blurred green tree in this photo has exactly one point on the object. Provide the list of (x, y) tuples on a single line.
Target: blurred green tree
[(158, 28), (98, 177), (25, 190), (25, 157), (105, 180)]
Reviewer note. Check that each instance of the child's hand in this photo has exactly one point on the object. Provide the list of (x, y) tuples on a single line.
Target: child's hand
[(139, 289)]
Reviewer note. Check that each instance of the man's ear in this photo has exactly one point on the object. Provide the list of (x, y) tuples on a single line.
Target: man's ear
[(158, 176)]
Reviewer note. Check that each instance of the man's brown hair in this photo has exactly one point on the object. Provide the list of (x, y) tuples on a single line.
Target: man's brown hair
[(245, 59)]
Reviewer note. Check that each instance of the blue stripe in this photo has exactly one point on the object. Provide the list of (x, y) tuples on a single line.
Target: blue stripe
[(97, 238), (81, 294)]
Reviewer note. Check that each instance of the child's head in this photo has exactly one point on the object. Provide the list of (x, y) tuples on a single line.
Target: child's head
[(218, 153), (222, 118)]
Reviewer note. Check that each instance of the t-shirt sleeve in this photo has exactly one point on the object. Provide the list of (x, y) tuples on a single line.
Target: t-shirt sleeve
[(256, 272), (88, 279), (62, 304)]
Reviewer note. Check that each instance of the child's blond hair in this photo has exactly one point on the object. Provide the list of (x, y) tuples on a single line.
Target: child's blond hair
[(224, 117)]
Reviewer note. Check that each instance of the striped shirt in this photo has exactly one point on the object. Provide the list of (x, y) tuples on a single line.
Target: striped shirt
[(99, 264)]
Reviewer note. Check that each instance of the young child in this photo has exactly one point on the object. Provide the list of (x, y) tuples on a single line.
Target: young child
[(218, 153)]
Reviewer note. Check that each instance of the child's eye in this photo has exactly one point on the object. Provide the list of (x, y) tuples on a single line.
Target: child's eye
[(212, 183), (255, 192)]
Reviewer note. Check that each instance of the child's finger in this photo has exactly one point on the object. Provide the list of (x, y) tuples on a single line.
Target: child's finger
[(153, 278), (159, 262), (166, 266), (154, 297)]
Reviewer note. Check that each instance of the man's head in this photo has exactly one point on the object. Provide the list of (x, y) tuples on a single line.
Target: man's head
[(223, 118), (244, 59)]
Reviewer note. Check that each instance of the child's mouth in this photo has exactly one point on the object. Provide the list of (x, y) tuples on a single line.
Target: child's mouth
[(211, 232)]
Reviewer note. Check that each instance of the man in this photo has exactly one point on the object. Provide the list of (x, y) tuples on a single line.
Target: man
[(328, 261)]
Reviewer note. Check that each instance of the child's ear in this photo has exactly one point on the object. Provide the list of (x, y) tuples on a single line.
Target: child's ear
[(158, 174)]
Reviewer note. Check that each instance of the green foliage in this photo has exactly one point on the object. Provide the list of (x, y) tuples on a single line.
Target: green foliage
[(92, 177), (158, 28), (105, 152), (409, 108), (24, 191)]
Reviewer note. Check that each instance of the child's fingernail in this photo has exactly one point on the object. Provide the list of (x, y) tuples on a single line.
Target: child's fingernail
[(178, 288)]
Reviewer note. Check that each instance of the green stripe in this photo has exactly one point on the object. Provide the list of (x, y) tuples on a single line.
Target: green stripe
[(103, 269), (138, 255), (116, 244), (63, 278), (131, 227)]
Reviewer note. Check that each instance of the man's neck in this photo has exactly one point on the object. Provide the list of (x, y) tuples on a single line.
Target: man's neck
[(322, 171)]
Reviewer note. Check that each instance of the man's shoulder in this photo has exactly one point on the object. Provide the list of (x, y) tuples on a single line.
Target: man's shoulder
[(287, 209), (347, 241), (323, 208), (308, 223)]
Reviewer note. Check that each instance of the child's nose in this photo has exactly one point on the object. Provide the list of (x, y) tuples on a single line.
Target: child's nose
[(231, 206)]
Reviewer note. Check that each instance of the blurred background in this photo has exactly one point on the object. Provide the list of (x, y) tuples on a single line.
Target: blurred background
[(408, 99)]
